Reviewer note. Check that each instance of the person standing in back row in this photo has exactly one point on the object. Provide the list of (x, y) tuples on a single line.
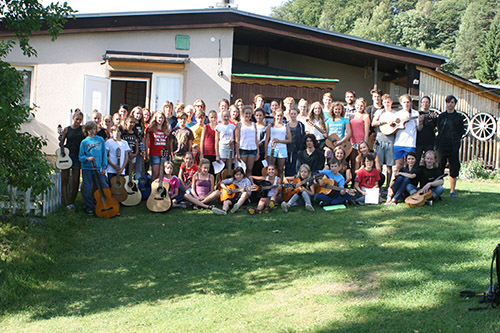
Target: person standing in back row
[(450, 126)]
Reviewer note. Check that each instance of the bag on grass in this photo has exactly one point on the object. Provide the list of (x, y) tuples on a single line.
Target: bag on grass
[(492, 295)]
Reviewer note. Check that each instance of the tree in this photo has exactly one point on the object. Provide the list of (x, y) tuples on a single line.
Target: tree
[(489, 56), (378, 27), (469, 40), (306, 12), (22, 162)]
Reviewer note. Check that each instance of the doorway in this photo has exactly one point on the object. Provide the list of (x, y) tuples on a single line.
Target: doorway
[(130, 91)]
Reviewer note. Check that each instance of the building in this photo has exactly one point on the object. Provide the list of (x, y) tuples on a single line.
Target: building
[(102, 60)]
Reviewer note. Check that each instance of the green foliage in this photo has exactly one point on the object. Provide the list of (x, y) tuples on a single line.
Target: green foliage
[(26, 17), (377, 27), (469, 40), (22, 162), (306, 12), (474, 169), (489, 56), (453, 28)]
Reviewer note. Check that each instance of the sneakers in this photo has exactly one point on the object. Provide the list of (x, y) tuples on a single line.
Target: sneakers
[(89, 212), (235, 208), (272, 204), (429, 202), (322, 204), (453, 195), (309, 207), (70, 207), (219, 211), (284, 206)]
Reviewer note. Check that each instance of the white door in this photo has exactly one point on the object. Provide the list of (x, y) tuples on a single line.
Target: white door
[(166, 87), (96, 95)]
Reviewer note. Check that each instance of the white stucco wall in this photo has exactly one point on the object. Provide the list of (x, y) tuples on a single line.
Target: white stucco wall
[(60, 67)]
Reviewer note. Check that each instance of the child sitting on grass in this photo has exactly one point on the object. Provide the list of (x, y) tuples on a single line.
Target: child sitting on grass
[(335, 197), (269, 198), (306, 191), (236, 194), (367, 177), (402, 178), (428, 176)]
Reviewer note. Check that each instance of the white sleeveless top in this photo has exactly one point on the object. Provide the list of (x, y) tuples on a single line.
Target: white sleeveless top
[(280, 134), (247, 137)]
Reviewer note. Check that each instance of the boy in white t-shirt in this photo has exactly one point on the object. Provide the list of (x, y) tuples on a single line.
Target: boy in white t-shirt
[(116, 149)]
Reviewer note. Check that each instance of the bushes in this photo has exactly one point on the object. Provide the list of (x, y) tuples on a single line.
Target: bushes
[(475, 169)]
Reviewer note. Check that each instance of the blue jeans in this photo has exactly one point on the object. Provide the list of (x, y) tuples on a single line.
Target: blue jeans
[(335, 199), (290, 164), (436, 190), (399, 187), (88, 180)]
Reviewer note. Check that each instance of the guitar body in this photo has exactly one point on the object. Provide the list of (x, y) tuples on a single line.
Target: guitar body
[(106, 205), (396, 124), (330, 143), (118, 190), (225, 194), (134, 196), (418, 199), (144, 184), (327, 188), (159, 201), (63, 161), (288, 192)]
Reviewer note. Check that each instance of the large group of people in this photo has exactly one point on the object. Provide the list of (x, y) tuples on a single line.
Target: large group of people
[(270, 153)]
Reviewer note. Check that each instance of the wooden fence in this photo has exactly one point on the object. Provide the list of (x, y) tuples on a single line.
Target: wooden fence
[(19, 202)]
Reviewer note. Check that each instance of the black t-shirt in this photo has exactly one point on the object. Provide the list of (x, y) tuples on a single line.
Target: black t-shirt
[(131, 139), (427, 136), (425, 175), (316, 160), (103, 134), (450, 128), (413, 171)]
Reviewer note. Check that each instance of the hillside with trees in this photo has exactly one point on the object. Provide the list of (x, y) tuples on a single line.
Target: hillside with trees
[(465, 31)]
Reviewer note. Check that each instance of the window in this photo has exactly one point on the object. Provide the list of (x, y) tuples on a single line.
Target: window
[(27, 74)]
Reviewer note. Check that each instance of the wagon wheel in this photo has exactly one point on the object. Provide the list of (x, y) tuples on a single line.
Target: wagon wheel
[(466, 124), (483, 126)]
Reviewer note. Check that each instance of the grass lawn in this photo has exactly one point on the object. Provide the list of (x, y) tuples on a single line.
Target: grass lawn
[(361, 269)]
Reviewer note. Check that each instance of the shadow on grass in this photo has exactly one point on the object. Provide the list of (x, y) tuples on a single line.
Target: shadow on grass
[(144, 257)]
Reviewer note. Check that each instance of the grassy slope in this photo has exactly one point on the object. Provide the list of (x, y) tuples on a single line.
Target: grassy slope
[(360, 269)]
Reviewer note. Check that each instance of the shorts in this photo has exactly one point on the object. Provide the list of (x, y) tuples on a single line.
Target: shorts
[(248, 153), (224, 151), (385, 153), (76, 162), (155, 160), (278, 152), (400, 152)]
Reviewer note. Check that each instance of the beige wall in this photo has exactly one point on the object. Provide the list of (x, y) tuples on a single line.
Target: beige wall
[(60, 67)]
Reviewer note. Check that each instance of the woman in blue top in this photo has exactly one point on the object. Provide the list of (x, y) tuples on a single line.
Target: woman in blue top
[(339, 125)]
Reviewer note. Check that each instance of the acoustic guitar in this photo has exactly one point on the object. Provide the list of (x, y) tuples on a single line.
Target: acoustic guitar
[(117, 182), (332, 139), (134, 196), (63, 161), (272, 159), (144, 177), (418, 199), (159, 200), (392, 126), (289, 189), (330, 185), (232, 190), (106, 205)]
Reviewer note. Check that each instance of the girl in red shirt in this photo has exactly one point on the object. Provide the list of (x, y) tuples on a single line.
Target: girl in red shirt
[(156, 139)]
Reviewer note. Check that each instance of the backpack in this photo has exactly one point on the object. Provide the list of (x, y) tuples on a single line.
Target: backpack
[(492, 295)]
